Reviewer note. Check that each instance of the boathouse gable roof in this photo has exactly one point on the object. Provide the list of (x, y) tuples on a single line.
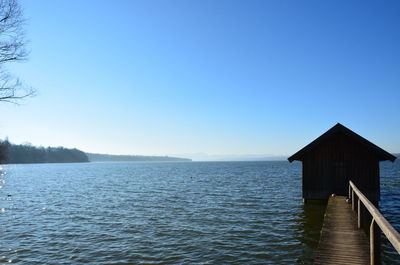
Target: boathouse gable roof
[(381, 154)]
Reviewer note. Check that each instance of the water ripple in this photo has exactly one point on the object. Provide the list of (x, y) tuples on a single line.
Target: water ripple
[(161, 213)]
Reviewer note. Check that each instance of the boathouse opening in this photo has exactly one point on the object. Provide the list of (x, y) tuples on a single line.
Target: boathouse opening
[(334, 158)]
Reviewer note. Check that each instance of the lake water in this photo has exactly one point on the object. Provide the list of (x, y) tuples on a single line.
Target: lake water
[(166, 213)]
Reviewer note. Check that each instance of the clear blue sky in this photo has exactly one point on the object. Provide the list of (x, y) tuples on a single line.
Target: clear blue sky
[(218, 77)]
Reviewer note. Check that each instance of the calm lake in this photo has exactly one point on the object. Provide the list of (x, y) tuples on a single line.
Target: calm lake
[(166, 213)]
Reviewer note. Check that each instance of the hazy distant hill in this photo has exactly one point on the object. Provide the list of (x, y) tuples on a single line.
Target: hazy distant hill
[(248, 157), (110, 158)]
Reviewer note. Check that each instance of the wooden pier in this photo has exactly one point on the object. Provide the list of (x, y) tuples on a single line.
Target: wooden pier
[(343, 241), (331, 164)]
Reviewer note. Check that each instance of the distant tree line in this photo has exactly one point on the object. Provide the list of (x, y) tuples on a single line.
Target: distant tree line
[(26, 153)]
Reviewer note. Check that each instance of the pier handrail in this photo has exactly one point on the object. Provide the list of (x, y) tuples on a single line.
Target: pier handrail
[(377, 218)]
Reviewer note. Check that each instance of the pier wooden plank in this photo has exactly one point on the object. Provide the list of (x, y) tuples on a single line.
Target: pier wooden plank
[(341, 241)]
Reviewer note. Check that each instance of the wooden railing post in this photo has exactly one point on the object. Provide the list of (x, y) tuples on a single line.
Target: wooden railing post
[(349, 192), (374, 242), (352, 199), (359, 213)]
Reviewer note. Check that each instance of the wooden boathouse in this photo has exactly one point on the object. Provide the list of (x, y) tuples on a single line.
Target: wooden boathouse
[(336, 157), (343, 167)]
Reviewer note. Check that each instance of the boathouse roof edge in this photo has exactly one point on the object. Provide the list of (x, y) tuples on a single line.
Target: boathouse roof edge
[(381, 154)]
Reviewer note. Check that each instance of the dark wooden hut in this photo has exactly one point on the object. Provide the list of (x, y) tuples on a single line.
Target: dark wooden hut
[(334, 158)]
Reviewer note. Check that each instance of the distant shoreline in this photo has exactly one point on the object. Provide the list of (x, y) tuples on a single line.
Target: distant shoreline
[(28, 154), (133, 158)]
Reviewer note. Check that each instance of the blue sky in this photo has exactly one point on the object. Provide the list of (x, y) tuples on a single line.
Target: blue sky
[(216, 77)]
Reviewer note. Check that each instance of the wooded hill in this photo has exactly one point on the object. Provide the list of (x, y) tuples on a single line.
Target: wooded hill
[(26, 154)]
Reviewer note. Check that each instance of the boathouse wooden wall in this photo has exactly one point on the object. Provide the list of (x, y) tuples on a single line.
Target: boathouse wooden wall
[(328, 167), (334, 158)]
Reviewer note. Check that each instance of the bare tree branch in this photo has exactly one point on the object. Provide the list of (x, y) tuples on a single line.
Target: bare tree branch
[(12, 49)]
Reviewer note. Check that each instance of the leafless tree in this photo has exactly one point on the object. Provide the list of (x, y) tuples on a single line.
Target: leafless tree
[(12, 49)]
